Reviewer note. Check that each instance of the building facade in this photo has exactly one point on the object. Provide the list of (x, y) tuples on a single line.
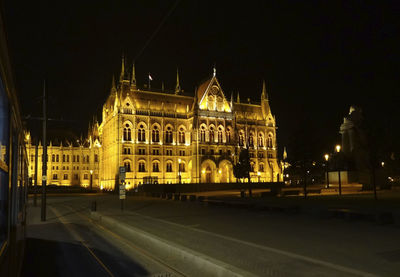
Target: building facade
[(170, 138)]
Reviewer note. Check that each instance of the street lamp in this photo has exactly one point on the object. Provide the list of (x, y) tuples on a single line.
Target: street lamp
[(326, 156), (91, 179), (258, 174), (337, 161), (179, 170)]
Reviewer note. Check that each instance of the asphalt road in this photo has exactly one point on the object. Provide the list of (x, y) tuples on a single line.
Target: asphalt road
[(257, 242)]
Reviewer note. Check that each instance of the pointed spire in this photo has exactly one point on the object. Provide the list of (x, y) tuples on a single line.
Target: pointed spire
[(133, 77), (113, 88), (264, 94), (284, 153), (238, 98), (177, 87), (231, 98), (162, 86), (122, 76)]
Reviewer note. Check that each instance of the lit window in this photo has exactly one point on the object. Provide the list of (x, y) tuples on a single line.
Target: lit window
[(127, 132), (155, 167)]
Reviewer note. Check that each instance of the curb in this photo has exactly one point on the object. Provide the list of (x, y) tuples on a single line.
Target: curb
[(202, 264)]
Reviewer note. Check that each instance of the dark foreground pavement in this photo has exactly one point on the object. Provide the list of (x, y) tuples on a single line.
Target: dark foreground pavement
[(251, 242)]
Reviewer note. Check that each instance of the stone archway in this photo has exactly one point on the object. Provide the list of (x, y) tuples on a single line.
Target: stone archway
[(208, 171), (225, 172)]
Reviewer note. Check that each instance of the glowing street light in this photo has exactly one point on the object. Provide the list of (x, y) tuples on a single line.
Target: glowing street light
[(338, 147), (326, 156), (258, 174)]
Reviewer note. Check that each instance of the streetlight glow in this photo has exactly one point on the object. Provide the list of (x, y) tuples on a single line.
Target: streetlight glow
[(326, 156), (338, 147)]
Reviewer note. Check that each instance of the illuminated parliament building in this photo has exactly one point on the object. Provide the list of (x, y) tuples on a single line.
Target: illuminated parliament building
[(168, 138)]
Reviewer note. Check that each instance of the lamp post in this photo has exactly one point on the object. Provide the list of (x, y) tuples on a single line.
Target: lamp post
[(326, 156), (258, 175), (338, 167), (91, 179), (179, 170)]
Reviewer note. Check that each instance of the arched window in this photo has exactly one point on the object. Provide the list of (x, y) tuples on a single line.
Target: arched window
[(251, 140), (181, 135), (211, 103), (127, 165), (127, 132), (228, 135), (252, 167), (241, 138), (168, 135), (220, 135), (156, 167), (220, 104), (269, 142), (169, 167), (211, 134), (260, 140), (203, 134), (141, 133), (261, 167), (181, 167), (142, 166), (155, 135)]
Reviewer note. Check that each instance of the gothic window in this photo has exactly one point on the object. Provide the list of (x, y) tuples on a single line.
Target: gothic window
[(241, 138), (181, 167), (168, 135), (261, 167), (67, 158), (260, 140), (220, 104), (65, 176), (269, 142), (55, 177), (127, 132), (155, 135), (96, 157), (87, 159), (141, 133), (57, 158), (63, 158), (73, 158), (77, 158), (228, 135), (220, 135), (181, 135), (169, 167), (127, 165), (53, 158), (211, 103), (203, 134), (251, 140), (142, 167), (211, 134), (252, 167), (155, 167)]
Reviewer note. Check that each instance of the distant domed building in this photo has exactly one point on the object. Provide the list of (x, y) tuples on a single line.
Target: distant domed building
[(174, 138)]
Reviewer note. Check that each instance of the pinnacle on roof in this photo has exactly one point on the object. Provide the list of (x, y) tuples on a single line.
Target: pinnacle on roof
[(177, 87), (133, 77), (264, 94), (122, 76), (113, 88), (238, 98)]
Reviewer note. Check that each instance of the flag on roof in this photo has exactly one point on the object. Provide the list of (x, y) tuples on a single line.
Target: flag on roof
[(150, 78)]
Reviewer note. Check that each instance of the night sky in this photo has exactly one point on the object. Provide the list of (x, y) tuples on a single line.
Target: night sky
[(317, 57)]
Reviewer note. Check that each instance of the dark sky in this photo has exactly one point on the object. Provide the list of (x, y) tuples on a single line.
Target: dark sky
[(318, 57)]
